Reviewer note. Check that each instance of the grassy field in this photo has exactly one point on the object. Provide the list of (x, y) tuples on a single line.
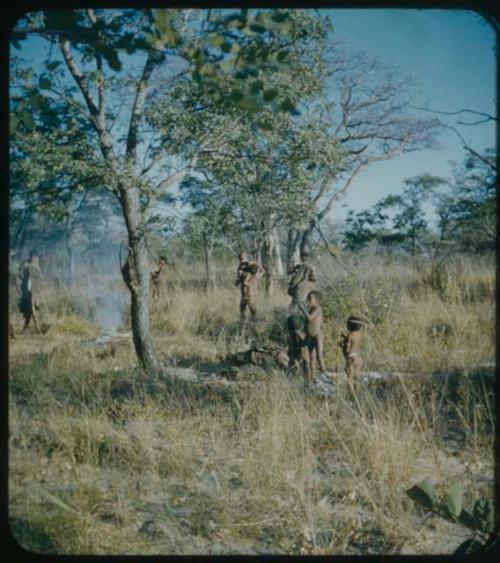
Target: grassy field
[(103, 460)]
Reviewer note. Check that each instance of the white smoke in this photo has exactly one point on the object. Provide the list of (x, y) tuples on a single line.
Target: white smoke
[(108, 307), (110, 310)]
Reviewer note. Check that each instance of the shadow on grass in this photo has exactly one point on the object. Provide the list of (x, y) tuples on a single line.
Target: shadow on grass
[(30, 536)]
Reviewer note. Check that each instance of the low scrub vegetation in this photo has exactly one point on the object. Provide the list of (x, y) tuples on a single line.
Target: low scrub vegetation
[(104, 461)]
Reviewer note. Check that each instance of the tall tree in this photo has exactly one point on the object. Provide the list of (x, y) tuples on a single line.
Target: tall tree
[(90, 46), (367, 108), (47, 134), (364, 227), (410, 220), (263, 179), (263, 162), (211, 221), (467, 212)]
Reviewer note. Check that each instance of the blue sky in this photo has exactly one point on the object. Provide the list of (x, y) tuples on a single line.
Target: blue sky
[(450, 53)]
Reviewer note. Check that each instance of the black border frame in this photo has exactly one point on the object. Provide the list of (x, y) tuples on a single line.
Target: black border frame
[(488, 9)]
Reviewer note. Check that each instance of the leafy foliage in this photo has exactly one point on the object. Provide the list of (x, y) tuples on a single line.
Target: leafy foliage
[(450, 506), (261, 169), (465, 207), (211, 222), (363, 227), (467, 213)]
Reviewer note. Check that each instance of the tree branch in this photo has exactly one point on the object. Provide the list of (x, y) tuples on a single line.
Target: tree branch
[(469, 149), (137, 108), (177, 176), (81, 80), (321, 214), (459, 112), (100, 77), (78, 76), (333, 254)]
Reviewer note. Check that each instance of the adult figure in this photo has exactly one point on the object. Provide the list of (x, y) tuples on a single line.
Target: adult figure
[(247, 276), (158, 277), (303, 278), (28, 283)]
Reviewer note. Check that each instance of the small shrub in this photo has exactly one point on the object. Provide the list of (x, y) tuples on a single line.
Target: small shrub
[(480, 519)]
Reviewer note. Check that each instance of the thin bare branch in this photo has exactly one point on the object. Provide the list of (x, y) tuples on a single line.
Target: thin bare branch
[(487, 116), (100, 77), (81, 80), (336, 196), (137, 109), (333, 254), (492, 165), (78, 76)]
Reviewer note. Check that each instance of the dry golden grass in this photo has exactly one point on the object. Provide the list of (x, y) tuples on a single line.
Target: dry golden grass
[(105, 461)]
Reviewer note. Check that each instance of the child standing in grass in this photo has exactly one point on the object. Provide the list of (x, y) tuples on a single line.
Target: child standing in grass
[(350, 344), (314, 333)]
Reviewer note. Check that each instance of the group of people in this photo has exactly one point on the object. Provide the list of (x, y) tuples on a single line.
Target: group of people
[(28, 281), (304, 319)]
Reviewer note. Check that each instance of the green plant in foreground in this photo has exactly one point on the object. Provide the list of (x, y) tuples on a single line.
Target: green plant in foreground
[(481, 519)]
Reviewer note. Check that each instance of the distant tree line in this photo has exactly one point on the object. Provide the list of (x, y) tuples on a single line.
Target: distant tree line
[(464, 209)]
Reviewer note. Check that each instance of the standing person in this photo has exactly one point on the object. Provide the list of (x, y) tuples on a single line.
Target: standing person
[(158, 277), (28, 284), (247, 279), (301, 283), (314, 333), (302, 280), (13, 270), (350, 348)]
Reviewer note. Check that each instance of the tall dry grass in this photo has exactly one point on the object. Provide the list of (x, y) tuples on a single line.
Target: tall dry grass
[(105, 461)]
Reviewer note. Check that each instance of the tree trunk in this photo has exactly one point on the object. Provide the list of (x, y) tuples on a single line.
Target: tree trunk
[(207, 251), (292, 248), (255, 248), (70, 254), (71, 264), (129, 195), (139, 278), (258, 251), (277, 254), (268, 255), (17, 240), (306, 239)]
